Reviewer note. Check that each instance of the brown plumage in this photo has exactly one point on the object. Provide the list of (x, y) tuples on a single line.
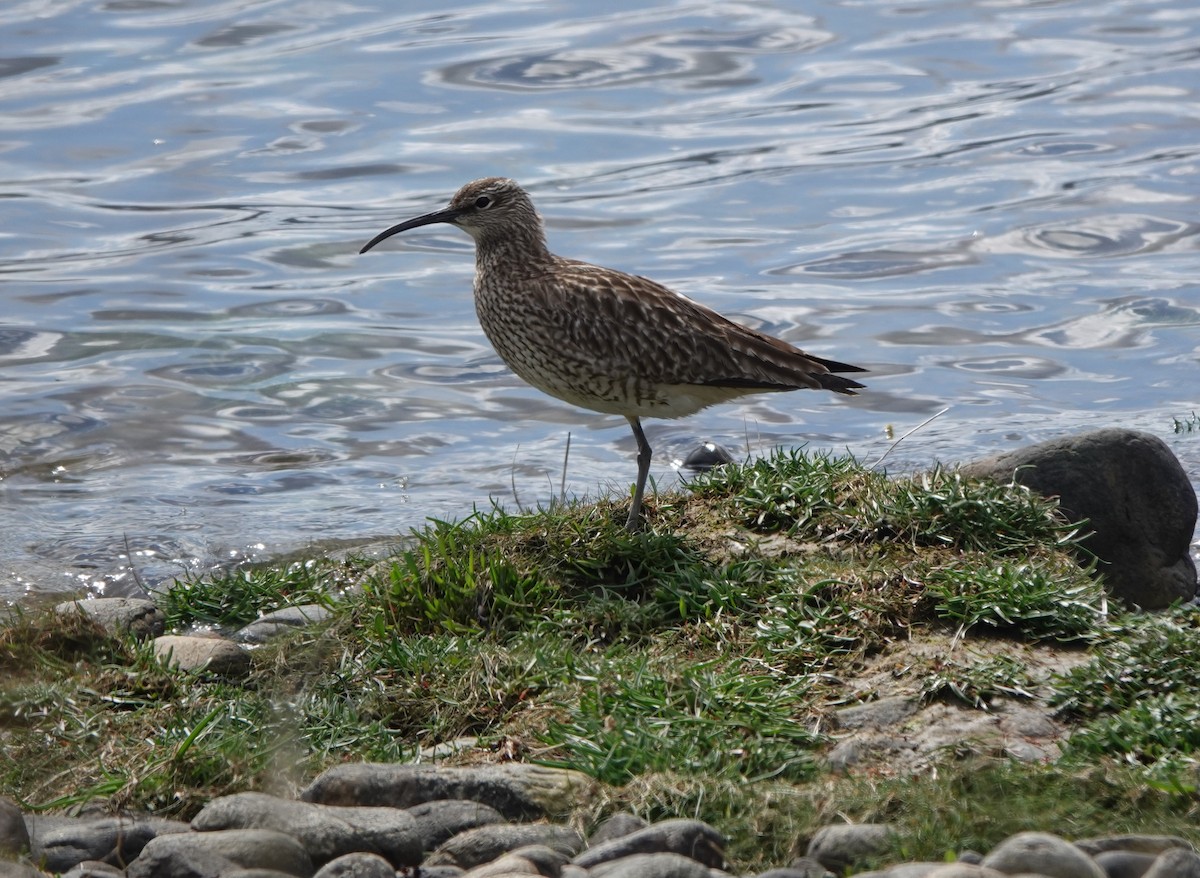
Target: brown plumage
[(605, 340)]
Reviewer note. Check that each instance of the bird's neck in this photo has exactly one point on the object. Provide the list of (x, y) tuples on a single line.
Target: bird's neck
[(524, 251)]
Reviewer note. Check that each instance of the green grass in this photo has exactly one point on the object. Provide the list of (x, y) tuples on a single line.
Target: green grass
[(691, 667)]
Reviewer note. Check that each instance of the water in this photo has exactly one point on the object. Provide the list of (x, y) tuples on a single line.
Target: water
[(993, 206)]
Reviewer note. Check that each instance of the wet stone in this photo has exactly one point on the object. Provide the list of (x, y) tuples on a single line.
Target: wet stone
[(120, 616), (271, 625)]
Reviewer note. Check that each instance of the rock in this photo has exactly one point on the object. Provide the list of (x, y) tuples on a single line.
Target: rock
[(325, 831), (1124, 864), (619, 824), (530, 860), (1042, 853), (659, 865), (1139, 503), (691, 838), (518, 791), (14, 835), (209, 655), (842, 845), (112, 840), (912, 870), (878, 714), (1175, 863), (120, 616), (357, 865), (16, 870), (1142, 844), (809, 867), (93, 869), (485, 843), (445, 818), (964, 870), (212, 854), (281, 621)]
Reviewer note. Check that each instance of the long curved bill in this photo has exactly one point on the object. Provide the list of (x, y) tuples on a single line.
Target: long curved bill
[(448, 215)]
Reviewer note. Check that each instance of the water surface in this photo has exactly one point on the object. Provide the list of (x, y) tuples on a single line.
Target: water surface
[(992, 206)]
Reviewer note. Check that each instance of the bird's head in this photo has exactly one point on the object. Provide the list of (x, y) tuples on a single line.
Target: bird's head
[(494, 209)]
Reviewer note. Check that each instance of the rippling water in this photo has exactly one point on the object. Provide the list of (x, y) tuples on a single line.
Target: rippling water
[(992, 205)]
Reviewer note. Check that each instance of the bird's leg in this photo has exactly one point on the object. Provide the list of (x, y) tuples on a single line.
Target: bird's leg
[(643, 462)]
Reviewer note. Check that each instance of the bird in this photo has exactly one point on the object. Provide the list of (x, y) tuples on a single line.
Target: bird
[(605, 340)]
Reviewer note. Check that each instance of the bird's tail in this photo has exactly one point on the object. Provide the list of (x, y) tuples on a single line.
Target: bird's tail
[(836, 383)]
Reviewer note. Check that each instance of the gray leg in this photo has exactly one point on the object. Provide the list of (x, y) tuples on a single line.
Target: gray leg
[(643, 462)]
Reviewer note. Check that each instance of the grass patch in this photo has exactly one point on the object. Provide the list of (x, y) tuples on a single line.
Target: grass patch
[(692, 667)]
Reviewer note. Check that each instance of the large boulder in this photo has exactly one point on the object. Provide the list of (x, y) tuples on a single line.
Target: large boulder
[(1139, 505)]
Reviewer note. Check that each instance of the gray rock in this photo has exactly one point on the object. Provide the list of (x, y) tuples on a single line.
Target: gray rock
[(810, 867), (617, 825), (878, 714), (533, 859), (326, 831), (215, 854), (842, 845), (281, 621), (659, 865), (1139, 503), (965, 870), (912, 870), (1175, 863), (357, 865), (120, 616), (1042, 853), (14, 835), (93, 869), (1142, 844), (445, 818), (256, 873), (691, 838), (518, 791), (17, 870), (485, 843), (1124, 864), (209, 655), (112, 840)]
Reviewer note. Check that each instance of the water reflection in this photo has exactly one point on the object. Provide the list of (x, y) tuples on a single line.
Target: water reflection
[(994, 207)]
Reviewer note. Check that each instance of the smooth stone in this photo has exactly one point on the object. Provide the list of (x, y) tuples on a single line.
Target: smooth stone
[(326, 831), (209, 655), (1175, 863), (810, 867), (195, 854), (841, 845), (93, 869), (120, 616), (1138, 501), (271, 625), (14, 834), (912, 870), (107, 839), (658, 865), (518, 791), (691, 838), (617, 825), (1042, 853), (357, 865), (486, 843), (1134, 842), (965, 870), (1124, 864), (533, 859), (442, 819), (17, 870)]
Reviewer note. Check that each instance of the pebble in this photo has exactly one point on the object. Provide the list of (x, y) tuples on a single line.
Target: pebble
[(215, 656), (254, 835)]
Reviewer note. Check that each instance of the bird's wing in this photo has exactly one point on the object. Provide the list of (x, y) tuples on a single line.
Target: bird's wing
[(643, 329)]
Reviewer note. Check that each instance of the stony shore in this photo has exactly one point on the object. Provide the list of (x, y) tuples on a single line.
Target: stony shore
[(404, 821)]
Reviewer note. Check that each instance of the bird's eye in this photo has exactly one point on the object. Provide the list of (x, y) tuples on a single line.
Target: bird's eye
[(483, 201)]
